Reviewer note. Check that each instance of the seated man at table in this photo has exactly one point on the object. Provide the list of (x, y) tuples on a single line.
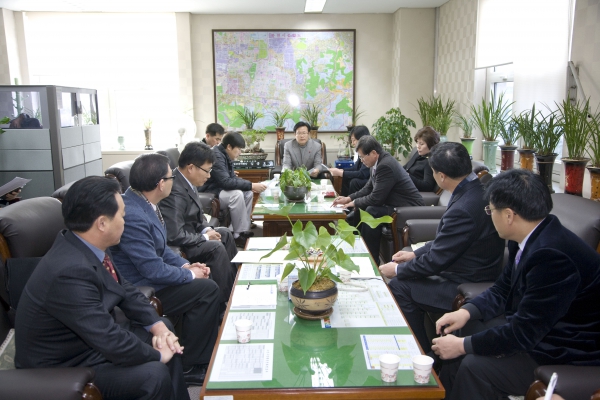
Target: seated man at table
[(303, 151), (546, 299), (466, 247), (68, 313), (214, 135), (389, 186), (353, 179), (235, 194), (144, 259)]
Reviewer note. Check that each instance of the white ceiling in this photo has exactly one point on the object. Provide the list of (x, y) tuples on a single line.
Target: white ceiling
[(217, 6)]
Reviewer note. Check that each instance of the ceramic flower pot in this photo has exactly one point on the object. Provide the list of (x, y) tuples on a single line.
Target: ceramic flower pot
[(313, 304), (574, 172), (295, 193), (545, 164), (595, 181), (508, 157), (280, 130), (468, 143), (489, 155), (526, 158)]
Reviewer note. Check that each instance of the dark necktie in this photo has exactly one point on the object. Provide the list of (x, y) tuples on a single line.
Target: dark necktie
[(110, 267), (518, 257)]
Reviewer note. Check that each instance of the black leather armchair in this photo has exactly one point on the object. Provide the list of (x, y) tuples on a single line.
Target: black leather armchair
[(120, 172), (279, 153), (574, 383), (172, 154)]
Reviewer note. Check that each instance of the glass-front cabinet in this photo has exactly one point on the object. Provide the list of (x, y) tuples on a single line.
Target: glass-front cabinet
[(51, 136)]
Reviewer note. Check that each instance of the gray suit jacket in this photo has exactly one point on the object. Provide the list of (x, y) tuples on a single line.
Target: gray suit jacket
[(293, 159), (66, 314)]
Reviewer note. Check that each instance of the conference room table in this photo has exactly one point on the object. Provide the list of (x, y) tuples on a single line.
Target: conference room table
[(320, 213), (307, 358)]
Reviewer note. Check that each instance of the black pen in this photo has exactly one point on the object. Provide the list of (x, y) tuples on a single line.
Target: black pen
[(248, 287)]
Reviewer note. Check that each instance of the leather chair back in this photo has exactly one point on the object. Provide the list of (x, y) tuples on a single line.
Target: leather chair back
[(60, 193), (579, 215), (279, 151), (30, 226), (120, 172), (173, 155)]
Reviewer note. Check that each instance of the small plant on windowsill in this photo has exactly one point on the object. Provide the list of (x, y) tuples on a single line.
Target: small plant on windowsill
[(4, 120), (315, 291)]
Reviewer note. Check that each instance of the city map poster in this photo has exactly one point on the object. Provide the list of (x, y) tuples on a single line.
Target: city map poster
[(267, 70)]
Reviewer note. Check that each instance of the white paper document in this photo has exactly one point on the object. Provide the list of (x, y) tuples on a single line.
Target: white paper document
[(263, 325), (372, 308), (263, 243), (243, 362), (254, 297), (13, 185), (366, 269), (255, 255), (404, 346), (359, 246), (259, 272)]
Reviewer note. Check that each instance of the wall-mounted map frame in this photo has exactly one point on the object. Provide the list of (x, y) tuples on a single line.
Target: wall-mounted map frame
[(265, 70)]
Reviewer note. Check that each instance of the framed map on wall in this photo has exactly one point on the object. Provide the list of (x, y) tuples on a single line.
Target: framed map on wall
[(267, 70)]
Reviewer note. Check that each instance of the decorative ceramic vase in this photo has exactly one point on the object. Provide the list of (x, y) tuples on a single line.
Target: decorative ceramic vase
[(280, 130), (508, 157), (148, 135), (313, 132), (295, 193), (595, 181), (545, 165), (526, 158), (489, 155), (121, 140), (443, 138), (468, 143), (574, 172), (313, 303)]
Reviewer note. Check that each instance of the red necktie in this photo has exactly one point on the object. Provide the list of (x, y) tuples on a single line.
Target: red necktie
[(110, 267)]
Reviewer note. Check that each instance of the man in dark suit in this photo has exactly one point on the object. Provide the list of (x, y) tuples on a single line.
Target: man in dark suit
[(144, 259), (548, 293), (466, 248), (389, 186), (67, 315), (353, 179), (185, 222)]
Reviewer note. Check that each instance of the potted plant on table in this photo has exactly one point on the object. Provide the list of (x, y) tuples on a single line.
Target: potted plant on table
[(573, 119), (315, 291), (488, 117), (392, 129), (295, 184), (279, 117), (311, 116), (548, 132), (466, 125), (252, 136), (525, 123), (510, 135), (594, 153)]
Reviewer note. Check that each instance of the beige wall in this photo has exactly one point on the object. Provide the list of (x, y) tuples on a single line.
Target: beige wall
[(585, 51)]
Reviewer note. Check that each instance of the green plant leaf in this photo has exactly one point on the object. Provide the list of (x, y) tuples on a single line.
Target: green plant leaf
[(307, 277), (333, 276), (366, 218), (282, 242), (306, 237), (346, 262), (324, 238), (289, 267)]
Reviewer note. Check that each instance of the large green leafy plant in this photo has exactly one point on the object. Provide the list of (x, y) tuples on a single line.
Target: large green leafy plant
[(306, 241), (575, 126), (295, 178), (392, 129), (490, 116), (433, 112)]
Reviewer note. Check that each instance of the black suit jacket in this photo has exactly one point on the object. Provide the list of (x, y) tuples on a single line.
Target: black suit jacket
[(222, 176), (358, 170), (551, 301), (466, 248), (182, 212), (66, 314), (421, 173), (390, 185)]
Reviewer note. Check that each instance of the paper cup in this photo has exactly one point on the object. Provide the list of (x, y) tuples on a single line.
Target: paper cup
[(345, 276), (282, 286), (276, 195), (243, 328), (321, 197), (276, 176), (422, 368), (389, 367)]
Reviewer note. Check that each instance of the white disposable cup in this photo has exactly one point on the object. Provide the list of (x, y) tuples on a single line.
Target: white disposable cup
[(243, 329), (276, 176), (422, 368), (282, 286), (321, 197), (324, 183), (389, 367), (345, 275), (276, 195)]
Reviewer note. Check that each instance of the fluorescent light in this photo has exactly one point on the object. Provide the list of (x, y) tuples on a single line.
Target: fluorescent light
[(314, 6)]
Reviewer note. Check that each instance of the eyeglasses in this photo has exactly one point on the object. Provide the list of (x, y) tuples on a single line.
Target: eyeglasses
[(208, 172), (489, 210), (364, 155), (165, 179)]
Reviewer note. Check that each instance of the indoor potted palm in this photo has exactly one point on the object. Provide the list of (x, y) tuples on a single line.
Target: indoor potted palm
[(315, 291), (279, 117), (510, 135), (525, 123), (466, 125), (488, 116), (548, 132), (252, 136), (573, 119), (594, 153), (392, 130), (311, 116)]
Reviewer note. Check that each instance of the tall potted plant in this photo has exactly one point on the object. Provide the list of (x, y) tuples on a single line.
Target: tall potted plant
[(488, 117), (392, 130), (315, 291), (252, 136), (466, 125), (435, 113), (548, 133), (357, 113), (311, 115), (279, 117), (594, 153), (510, 135), (525, 123), (573, 119)]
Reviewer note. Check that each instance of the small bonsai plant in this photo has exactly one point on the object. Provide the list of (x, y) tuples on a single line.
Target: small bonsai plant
[(252, 136), (311, 115), (489, 116), (574, 123), (315, 273), (392, 129)]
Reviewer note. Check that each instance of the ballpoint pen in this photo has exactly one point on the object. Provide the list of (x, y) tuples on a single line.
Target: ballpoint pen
[(248, 287)]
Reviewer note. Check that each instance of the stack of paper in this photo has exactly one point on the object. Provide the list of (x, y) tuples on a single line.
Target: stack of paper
[(254, 297)]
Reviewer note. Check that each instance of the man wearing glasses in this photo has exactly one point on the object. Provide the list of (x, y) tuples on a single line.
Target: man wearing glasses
[(186, 225), (144, 259)]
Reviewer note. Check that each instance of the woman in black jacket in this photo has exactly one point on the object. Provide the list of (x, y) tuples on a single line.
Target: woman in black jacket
[(418, 166)]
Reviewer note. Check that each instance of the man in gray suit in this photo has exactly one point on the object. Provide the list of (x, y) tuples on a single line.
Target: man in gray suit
[(302, 151), (466, 248)]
